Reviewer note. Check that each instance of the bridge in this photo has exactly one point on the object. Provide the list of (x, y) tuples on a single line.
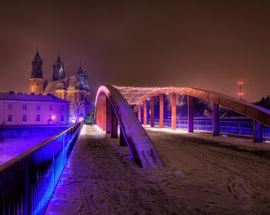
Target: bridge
[(28, 181), (116, 104)]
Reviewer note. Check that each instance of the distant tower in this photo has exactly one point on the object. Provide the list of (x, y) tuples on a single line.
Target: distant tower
[(80, 74), (37, 66), (82, 78), (36, 83), (58, 70), (240, 90)]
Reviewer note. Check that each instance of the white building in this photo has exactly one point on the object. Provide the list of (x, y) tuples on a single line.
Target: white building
[(24, 109)]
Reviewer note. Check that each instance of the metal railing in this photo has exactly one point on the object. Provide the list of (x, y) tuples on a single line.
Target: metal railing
[(27, 182)]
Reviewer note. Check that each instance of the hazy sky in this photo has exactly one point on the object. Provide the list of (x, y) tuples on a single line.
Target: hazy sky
[(204, 44)]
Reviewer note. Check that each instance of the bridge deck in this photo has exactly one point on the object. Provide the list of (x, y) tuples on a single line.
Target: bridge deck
[(198, 178), (100, 180)]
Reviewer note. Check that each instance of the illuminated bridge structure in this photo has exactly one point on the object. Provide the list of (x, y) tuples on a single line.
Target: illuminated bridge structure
[(111, 109), (121, 104)]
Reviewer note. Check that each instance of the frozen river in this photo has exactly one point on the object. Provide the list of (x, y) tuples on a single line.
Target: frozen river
[(12, 147)]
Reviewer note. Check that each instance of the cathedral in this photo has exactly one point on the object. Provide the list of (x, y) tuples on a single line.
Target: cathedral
[(74, 89)]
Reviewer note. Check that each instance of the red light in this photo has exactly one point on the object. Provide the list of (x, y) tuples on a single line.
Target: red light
[(240, 82)]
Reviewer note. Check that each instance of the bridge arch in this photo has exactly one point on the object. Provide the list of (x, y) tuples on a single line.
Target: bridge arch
[(138, 96), (111, 109)]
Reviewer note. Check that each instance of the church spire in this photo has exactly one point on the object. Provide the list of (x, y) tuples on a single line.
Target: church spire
[(58, 70), (37, 66)]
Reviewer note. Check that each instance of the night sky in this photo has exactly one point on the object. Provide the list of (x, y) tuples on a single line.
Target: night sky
[(204, 44)]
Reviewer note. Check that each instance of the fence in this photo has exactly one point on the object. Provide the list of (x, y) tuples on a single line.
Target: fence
[(28, 181), (241, 126)]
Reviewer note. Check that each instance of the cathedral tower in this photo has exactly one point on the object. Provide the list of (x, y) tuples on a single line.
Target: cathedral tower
[(58, 70), (36, 84)]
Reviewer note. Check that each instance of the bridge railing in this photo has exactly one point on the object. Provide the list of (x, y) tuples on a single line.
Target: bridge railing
[(28, 181)]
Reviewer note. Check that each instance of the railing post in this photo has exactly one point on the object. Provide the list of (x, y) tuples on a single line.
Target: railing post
[(161, 111), (152, 112), (173, 113), (257, 132), (215, 119), (190, 114)]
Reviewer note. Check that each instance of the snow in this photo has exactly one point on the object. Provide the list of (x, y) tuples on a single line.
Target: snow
[(11, 147), (199, 177)]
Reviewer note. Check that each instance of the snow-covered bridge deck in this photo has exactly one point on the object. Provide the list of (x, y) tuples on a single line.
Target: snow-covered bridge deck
[(198, 178)]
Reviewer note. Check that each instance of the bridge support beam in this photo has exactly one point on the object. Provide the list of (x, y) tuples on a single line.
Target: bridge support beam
[(173, 111), (145, 113), (215, 119), (103, 112), (190, 113), (108, 116), (139, 114), (161, 111), (257, 132), (122, 140), (152, 111), (114, 124)]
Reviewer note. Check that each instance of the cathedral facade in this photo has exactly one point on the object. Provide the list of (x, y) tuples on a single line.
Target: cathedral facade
[(74, 89)]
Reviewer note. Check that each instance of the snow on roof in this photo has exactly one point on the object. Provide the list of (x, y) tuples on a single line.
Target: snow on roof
[(30, 97)]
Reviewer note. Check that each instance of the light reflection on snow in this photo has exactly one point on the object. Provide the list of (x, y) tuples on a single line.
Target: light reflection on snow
[(167, 130)]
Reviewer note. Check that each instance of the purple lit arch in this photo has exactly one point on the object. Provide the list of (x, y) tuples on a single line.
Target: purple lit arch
[(111, 109)]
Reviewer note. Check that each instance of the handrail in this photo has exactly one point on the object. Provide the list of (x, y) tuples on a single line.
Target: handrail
[(29, 151), (28, 180)]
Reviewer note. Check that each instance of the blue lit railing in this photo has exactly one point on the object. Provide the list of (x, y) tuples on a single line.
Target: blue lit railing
[(241, 126), (28, 181)]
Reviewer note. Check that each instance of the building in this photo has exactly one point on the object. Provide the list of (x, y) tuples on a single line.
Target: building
[(24, 109), (74, 89)]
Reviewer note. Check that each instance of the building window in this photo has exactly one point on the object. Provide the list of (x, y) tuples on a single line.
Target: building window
[(9, 118), (62, 118), (62, 107), (24, 107), (10, 106), (38, 107), (50, 107), (37, 118), (24, 119), (82, 97)]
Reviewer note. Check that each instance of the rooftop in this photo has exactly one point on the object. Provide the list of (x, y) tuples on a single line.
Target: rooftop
[(30, 97)]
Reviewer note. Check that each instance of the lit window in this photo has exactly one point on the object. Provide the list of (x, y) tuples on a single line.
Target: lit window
[(38, 107), (51, 107), (24, 107), (62, 118), (37, 118), (9, 118), (24, 119), (10, 106)]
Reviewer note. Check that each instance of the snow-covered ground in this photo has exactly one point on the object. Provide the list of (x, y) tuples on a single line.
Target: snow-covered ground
[(199, 177), (11, 147)]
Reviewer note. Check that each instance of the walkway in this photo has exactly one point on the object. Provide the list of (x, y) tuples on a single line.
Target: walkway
[(198, 178), (98, 180)]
